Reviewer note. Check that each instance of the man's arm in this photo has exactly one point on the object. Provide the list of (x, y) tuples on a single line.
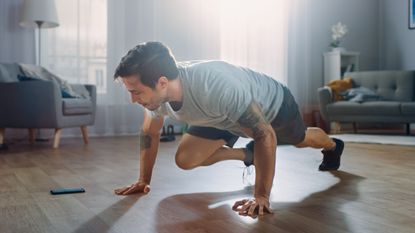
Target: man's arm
[(149, 141), (253, 123)]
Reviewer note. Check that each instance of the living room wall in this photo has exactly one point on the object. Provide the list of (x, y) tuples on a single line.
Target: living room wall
[(16, 43), (312, 37), (397, 50)]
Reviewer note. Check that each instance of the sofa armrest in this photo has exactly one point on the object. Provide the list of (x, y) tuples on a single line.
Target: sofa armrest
[(325, 97), (30, 104)]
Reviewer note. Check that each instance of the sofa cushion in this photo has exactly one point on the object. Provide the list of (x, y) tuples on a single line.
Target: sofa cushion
[(390, 85), (408, 108), (9, 72), (77, 106), (385, 108)]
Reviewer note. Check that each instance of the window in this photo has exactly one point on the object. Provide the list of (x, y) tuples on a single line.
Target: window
[(98, 78), (77, 49)]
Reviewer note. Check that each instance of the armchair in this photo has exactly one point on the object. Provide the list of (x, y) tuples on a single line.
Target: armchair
[(39, 104)]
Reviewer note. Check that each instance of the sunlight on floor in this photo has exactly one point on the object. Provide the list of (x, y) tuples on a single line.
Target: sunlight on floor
[(230, 203), (286, 191)]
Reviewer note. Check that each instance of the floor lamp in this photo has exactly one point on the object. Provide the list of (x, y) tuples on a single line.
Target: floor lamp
[(39, 14)]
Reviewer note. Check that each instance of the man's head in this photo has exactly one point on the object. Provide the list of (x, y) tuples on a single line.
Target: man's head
[(145, 71)]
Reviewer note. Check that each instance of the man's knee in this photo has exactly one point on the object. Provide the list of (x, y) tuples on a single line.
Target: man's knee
[(316, 138), (184, 161), (302, 144)]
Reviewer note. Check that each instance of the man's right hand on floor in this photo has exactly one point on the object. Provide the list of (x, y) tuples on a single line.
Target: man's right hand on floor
[(139, 187)]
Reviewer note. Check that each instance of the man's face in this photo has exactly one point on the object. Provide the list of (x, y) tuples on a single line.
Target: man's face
[(144, 95)]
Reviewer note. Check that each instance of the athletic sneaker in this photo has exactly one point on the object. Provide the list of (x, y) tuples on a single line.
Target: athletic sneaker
[(248, 175), (249, 154), (331, 158), (3, 146)]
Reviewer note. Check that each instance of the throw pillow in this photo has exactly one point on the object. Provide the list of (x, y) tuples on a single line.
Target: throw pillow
[(23, 78), (339, 86), (67, 95), (361, 94), (44, 74)]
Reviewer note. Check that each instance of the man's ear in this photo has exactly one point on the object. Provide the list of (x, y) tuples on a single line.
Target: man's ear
[(162, 82)]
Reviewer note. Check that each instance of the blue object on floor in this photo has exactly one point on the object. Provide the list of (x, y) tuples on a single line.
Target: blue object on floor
[(66, 191)]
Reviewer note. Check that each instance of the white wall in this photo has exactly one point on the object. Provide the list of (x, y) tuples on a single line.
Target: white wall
[(312, 37), (17, 44), (396, 40)]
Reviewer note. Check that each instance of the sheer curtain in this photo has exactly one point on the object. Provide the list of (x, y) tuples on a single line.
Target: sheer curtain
[(95, 34), (254, 34), (298, 72), (78, 52)]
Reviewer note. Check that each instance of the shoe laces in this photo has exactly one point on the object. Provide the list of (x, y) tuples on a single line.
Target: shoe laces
[(248, 175)]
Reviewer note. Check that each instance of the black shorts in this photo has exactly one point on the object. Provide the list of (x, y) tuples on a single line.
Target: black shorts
[(213, 134), (288, 125)]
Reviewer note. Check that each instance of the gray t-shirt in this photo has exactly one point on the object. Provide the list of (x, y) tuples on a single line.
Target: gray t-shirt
[(216, 94)]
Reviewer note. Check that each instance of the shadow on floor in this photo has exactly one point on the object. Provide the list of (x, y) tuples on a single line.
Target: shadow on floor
[(103, 221), (318, 212)]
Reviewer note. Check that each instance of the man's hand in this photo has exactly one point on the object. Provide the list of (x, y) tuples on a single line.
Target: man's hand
[(252, 207), (139, 187)]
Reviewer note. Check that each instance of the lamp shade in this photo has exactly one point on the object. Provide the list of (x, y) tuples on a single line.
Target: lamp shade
[(39, 13)]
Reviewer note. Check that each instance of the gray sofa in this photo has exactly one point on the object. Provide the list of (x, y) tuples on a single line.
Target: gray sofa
[(39, 104), (396, 104)]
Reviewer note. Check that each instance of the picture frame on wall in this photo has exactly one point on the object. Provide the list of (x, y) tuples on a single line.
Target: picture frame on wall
[(411, 14)]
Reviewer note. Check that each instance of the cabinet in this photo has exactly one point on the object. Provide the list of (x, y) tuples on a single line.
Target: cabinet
[(336, 63)]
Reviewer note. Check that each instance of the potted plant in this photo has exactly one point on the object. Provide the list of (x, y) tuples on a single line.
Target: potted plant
[(338, 31)]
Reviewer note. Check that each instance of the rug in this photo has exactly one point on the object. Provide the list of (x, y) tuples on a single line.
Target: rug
[(377, 139)]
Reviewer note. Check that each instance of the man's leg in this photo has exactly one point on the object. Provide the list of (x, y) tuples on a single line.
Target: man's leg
[(196, 151), (332, 148), (290, 129), (316, 138)]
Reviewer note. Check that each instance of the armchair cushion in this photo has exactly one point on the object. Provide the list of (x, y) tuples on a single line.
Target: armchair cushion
[(77, 106)]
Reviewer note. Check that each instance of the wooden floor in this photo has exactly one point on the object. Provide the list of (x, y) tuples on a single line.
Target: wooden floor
[(373, 192)]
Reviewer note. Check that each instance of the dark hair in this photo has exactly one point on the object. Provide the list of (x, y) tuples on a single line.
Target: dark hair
[(150, 61)]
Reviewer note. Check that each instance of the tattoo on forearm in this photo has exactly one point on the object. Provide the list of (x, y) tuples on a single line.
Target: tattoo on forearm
[(254, 119), (145, 140)]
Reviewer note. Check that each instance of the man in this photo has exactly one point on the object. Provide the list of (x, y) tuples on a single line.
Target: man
[(221, 102)]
